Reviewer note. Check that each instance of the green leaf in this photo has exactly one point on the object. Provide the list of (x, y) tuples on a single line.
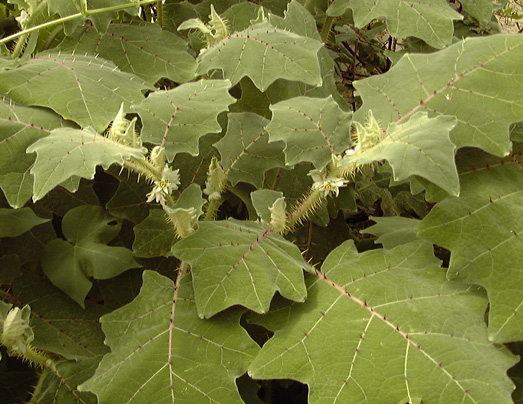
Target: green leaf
[(69, 264), (393, 231), (431, 21), (463, 87), (178, 118), (420, 146), (313, 129), (240, 262), (245, 149), (142, 49), (264, 54), (19, 128), (85, 89), (60, 385), (14, 222), (262, 200), (378, 326), (161, 352), (59, 325), (129, 201), (68, 152), (154, 236), (482, 229), (479, 9)]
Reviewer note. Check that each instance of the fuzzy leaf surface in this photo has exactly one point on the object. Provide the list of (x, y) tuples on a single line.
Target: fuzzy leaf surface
[(264, 54), (312, 128), (431, 21), (240, 263), (161, 352), (19, 128), (393, 231), (69, 264), (463, 87), (393, 315), (245, 149), (142, 49), (178, 118), (15, 222), (482, 229), (85, 89), (421, 146), (73, 152)]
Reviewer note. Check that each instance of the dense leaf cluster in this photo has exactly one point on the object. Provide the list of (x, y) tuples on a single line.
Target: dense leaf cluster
[(239, 202)]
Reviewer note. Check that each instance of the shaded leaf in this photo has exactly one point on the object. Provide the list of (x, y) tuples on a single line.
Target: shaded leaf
[(393, 315), (178, 118), (245, 149), (313, 129), (264, 53), (162, 352), (59, 324), (14, 222), (69, 264), (129, 201), (463, 87), (154, 236), (73, 152), (142, 49), (431, 21), (482, 229), (90, 89), (19, 128), (237, 262)]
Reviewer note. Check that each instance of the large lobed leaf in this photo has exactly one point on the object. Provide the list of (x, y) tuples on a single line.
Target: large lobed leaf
[(240, 263), (72, 152), (19, 128), (483, 229), (85, 89), (385, 326), (431, 21), (69, 264), (16, 222), (142, 49), (477, 80), (178, 118), (313, 129), (264, 54), (161, 352), (245, 149)]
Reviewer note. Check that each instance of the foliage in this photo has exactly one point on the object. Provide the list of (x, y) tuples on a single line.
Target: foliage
[(238, 202)]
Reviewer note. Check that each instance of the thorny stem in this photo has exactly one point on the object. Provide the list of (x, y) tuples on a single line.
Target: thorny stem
[(304, 209), (159, 12), (326, 29), (212, 209), (74, 17), (143, 167)]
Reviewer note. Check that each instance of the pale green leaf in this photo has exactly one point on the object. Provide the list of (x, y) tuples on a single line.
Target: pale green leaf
[(59, 324), (19, 128), (245, 149), (84, 254), (479, 9), (483, 229), (85, 89), (420, 146), (14, 222), (68, 152), (432, 21), (386, 326), (393, 231), (177, 118), (463, 87), (240, 263), (313, 129), (161, 352), (264, 54), (262, 200), (143, 49), (154, 236)]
